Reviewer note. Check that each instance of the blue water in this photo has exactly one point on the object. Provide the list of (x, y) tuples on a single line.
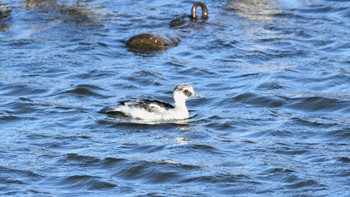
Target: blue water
[(274, 119)]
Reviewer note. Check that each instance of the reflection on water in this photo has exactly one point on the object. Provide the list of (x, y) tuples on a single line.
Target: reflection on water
[(256, 10), (123, 119), (4, 26)]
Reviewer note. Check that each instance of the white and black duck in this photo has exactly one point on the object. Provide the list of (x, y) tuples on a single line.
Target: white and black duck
[(154, 110)]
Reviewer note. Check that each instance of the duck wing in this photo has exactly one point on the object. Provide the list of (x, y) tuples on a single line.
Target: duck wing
[(148, 105)]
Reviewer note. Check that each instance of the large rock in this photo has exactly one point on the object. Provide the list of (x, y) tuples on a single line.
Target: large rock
[(154, 42)]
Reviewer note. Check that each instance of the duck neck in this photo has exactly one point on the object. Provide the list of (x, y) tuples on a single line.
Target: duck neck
[(180, 105)]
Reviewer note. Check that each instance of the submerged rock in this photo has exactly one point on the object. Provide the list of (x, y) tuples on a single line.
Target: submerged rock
[(4, 10), (40, 4)]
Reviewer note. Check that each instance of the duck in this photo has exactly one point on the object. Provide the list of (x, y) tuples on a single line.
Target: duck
[(155, 110)]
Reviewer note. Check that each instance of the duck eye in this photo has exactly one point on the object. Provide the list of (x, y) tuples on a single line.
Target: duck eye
[(187, 93)]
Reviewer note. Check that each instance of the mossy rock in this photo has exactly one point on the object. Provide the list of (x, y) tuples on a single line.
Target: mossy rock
[(153, 42)]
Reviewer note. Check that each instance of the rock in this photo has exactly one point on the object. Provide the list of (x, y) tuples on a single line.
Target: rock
[(4, 11), (147, 41)]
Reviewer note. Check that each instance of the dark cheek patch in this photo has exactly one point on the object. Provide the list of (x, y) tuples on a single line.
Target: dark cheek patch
[(187, 93)]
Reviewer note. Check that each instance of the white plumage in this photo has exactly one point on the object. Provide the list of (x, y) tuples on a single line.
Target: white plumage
[(153, 110)]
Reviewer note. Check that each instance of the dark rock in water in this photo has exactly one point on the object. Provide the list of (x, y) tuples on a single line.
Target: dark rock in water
[(40, 4), (178, 22), (4, 10), (147, 41)]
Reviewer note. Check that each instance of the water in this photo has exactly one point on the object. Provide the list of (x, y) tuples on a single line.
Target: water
[(274, 120)]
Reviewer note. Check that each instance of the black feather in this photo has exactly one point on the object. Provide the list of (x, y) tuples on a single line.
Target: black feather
[(146, 104)]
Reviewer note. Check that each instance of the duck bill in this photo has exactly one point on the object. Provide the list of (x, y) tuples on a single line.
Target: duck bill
[(196, 96)]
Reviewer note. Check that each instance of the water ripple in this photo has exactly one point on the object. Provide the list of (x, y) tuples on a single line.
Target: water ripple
[(274, 119)]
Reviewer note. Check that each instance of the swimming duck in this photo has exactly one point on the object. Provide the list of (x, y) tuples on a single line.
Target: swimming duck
[(154, 110)]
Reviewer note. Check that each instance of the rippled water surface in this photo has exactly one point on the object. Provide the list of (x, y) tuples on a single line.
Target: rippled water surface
[(274, 119)]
